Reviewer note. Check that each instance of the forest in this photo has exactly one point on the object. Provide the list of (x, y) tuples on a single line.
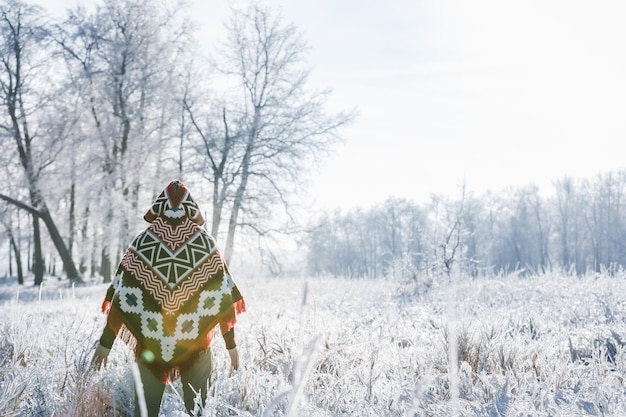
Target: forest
[(106, 104), (103, 107), (576, 228)]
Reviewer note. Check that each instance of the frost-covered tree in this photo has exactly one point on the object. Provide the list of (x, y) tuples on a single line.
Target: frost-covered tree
[(387, 240), (28, 90), (278, 125), (606, 219), (121, 57)]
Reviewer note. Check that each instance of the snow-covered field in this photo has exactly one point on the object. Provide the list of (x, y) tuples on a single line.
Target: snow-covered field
[(536, 346)]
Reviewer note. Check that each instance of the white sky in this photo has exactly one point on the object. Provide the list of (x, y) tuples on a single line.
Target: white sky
[(493, 93)]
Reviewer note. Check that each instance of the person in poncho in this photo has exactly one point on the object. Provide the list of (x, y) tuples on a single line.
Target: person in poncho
[(171, 289)]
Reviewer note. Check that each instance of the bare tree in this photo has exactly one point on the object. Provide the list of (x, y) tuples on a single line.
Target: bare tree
[(448, 230), (281, 127), (215, 147), (14, 247), (604, 220), (542, 229), (575, 210), (23, 59), (121, 59)]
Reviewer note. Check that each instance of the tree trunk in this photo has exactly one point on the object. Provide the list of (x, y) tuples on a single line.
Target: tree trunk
[(232, 226), (219, 195), (72, 217), (239, 196), (216, 219), (18, 260), (234, 214), (66, 256), (105, 265), (10, 257), (38, 264)]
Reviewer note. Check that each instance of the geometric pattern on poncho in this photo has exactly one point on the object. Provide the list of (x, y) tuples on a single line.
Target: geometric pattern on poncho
[(172, 286), (172, 236), (172, 314), (186, 326), (172, 266), (171, 298)]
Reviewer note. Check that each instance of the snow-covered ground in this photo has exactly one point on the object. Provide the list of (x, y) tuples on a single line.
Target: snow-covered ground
[(537, 346)]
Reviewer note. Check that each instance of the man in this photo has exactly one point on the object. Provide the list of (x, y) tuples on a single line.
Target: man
[(171, 289)]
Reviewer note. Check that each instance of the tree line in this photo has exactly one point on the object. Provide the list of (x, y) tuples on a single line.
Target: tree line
[(578, 228), (102, 107)]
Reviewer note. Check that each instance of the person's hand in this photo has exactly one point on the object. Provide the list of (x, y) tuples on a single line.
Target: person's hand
[(234, 358), (99, 360)]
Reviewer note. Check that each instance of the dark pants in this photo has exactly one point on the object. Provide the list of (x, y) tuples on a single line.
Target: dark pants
[(195, 380)]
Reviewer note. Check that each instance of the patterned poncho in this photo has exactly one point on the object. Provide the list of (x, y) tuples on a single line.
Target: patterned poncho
[(172, 287)]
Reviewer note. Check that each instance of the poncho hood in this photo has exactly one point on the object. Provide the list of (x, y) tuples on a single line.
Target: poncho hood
[(172, 287), (174, 203)]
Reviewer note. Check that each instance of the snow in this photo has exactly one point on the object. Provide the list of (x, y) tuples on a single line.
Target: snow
[(542, 345)]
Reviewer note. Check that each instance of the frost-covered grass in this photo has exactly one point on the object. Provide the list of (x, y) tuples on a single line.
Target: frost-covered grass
[(539, 346)]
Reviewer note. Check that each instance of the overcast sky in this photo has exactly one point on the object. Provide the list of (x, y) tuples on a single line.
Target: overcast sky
[(492, 93)]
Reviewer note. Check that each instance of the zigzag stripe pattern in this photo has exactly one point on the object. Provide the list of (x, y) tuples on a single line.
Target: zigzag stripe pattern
[(173, 237), (186, 289), (171, 299), (173, 267), (134, 266)]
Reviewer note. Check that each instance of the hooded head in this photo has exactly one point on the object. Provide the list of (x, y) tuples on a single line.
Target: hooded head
[(173, 204)]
